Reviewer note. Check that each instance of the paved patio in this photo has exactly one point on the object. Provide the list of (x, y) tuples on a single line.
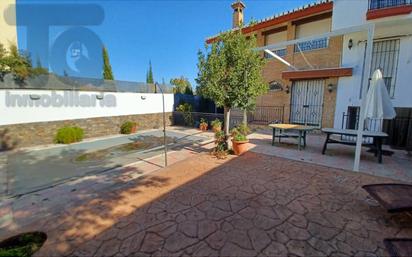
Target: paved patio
[(253, 205), (29, 170), (398, 166)]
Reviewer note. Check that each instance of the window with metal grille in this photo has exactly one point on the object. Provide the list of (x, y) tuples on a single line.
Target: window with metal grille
[(279, 52), (385, 56), (276, 36), (380, 4), (312, 45)]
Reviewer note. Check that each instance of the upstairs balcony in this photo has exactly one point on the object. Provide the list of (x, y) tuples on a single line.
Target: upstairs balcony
[(381, 4), (386, 8)]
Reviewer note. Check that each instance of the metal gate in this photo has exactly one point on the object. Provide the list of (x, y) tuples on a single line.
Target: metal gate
[(385, 56), (307, 102)]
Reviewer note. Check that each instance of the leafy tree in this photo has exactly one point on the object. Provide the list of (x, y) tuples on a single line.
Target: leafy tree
[(107, 68), (230, 73), (3, 63), (18, 64), (181, 86)]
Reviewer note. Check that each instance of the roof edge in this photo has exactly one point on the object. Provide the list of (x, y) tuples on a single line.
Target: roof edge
[(300, 12)]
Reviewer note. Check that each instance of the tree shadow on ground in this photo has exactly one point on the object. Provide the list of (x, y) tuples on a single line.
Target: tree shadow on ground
[(186, 207)]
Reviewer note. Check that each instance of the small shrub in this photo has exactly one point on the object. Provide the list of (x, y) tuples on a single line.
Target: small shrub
[(220, 150), (186, 109), (128, 127), (216, 123), (68, 135)]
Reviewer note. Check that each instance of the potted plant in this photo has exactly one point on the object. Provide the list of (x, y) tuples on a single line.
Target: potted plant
[(240, 140), (220, 150), (25, 244), (128, 127), (203, 124), (216, 125)]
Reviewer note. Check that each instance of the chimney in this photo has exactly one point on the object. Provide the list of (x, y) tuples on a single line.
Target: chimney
[(238, 7)]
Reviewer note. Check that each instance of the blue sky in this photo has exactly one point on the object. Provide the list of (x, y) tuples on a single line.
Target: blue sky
[(169, 33)]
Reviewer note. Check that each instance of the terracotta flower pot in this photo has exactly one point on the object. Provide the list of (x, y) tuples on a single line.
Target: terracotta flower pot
[(134, 129), (203, 127), (239, 147)]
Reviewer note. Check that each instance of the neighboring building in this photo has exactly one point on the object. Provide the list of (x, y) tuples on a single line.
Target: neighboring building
[(307, 96), (8, 28), (392, 53)]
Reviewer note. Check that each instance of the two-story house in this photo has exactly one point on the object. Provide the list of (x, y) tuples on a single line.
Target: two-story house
[(392, 53), (306, 95)]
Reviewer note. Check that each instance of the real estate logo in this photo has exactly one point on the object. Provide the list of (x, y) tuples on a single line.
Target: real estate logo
[(60, 99), (76, 51)]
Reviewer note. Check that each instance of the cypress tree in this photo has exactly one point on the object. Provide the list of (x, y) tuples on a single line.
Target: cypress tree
[(107, 68), (149, 76)]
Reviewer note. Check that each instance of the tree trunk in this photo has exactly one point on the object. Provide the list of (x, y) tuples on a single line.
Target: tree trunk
[(245, 117), (227, 123)]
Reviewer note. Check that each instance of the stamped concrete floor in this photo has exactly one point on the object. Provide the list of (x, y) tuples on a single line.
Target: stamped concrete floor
[(253, 205), (397, 166)]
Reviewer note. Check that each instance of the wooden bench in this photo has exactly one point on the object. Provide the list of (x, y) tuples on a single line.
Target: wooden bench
[(377, 137)]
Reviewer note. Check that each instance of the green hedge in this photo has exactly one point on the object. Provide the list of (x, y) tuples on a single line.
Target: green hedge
[(127, 127), (68, 135)]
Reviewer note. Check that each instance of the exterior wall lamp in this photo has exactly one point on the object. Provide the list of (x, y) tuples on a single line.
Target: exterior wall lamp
[(350, 44), (330, 88), (287, 89)]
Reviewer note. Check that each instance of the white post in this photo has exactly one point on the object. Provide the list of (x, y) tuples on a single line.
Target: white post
[(164, 122), (366, 75)]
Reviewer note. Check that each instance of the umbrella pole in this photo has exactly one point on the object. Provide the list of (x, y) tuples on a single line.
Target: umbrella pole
[(366, 73)]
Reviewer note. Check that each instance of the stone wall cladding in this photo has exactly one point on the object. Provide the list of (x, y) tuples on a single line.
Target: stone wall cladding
[(40, 133)]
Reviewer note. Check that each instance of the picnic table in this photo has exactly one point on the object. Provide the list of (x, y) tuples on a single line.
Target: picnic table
[(289, 130), (377, 137)]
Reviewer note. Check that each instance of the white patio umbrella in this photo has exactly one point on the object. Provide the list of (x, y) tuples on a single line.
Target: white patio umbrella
[(377, 105), (377, 102)]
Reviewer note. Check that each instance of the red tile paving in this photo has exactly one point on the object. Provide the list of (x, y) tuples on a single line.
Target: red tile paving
[(253, 205)]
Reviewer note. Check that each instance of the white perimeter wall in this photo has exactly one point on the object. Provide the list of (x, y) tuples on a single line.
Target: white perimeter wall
[(348, 13), (125, 104)]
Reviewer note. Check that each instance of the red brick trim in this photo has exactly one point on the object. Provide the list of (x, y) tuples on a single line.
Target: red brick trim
[(317, 9), (316, 74), (387, 12)]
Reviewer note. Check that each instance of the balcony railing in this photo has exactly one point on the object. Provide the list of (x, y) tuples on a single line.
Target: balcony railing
[(380, 4), (312, 45), (279, 52)]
